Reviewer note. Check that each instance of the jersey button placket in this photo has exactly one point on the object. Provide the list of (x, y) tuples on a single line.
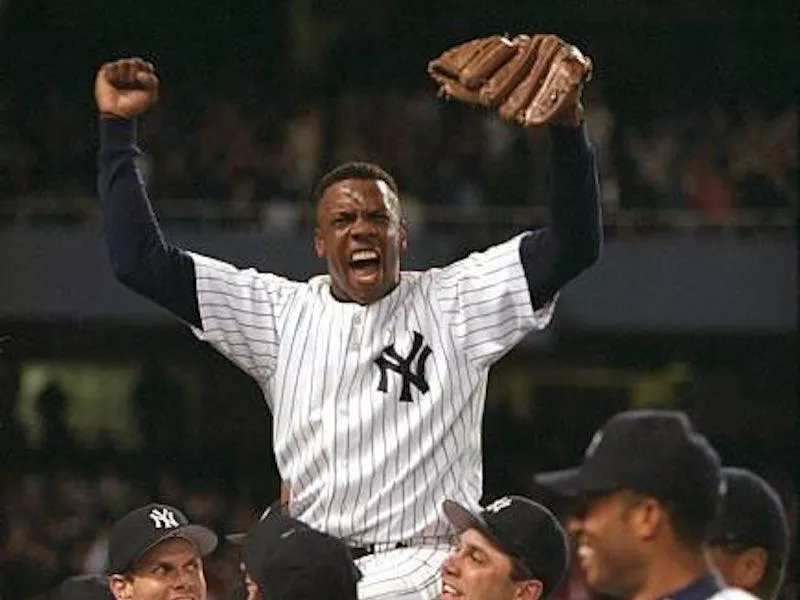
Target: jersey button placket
[(356, 333)]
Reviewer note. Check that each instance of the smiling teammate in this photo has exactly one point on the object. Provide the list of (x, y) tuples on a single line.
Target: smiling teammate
[(514, 549), (375, 377), (646, 494)]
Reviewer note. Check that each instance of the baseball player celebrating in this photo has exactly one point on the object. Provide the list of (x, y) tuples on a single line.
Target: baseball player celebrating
[(375, 377)]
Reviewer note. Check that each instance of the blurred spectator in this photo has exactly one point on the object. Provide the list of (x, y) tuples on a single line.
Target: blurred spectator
[(51, 405), (252, 161)]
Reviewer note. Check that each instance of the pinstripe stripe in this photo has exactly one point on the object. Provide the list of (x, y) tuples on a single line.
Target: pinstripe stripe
[(411, 573), (363, 465)]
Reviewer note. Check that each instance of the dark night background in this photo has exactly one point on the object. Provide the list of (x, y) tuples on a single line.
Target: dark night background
[(699, 172)]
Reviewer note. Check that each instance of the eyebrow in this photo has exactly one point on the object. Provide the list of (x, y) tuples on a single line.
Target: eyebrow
[(470, 547)]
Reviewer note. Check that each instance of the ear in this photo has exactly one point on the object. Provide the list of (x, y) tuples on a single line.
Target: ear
[(648, 518), (529, 590), (319, 243), (750, 567), (121, 587)]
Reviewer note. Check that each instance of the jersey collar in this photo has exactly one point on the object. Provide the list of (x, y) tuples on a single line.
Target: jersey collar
[(700, 589)]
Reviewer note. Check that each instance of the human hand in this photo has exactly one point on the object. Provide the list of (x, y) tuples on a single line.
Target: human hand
[(125, 88)]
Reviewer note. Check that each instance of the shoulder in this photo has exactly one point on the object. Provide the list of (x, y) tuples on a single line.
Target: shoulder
[(319, 283)]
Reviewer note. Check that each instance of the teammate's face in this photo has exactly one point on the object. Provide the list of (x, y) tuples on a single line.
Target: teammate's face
[(743, 569), (361, 235), (477, 570), (607, 545), (173, 570)]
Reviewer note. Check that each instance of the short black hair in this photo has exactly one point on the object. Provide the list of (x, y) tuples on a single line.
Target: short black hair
[(353, 170)]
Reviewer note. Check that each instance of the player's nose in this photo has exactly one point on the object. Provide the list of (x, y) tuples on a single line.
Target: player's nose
[(450, 564), (363, 226)]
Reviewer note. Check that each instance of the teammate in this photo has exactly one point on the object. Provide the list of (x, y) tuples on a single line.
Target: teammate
[(749, 541), (155, 553), (648, 490), (375, 378), (514, 549), (285, 559)]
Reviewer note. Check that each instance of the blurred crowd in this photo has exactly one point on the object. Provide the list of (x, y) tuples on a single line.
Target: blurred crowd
[(54, 523), (58, 503), (252, 156)]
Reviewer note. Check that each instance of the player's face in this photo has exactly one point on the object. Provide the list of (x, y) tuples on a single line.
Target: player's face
[(361, 235), (172, 570), (477, 570), (607, 546), (743, 569)]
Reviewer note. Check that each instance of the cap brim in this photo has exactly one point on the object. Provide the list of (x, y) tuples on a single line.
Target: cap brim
[(571, 483), (565, 482), (203, 538), (200, 537), (463, 519)]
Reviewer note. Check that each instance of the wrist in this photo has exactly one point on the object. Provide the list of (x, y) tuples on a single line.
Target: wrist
[(111, 115), (117, 131)]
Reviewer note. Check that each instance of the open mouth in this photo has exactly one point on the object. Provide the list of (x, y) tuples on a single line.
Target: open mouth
[(448, 591), (365, 262), (585, 555)]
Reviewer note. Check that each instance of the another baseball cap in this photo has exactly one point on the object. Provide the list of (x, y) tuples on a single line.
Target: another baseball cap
[(752, 514), (144, 528), (523, 529), (291, 561), (655, 452), (85, 587)]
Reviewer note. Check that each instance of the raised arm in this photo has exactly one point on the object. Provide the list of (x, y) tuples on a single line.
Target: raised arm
[(140, 257), (536, 80), (572, 242)]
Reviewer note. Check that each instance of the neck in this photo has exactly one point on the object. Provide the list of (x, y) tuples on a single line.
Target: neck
[(670, 572)]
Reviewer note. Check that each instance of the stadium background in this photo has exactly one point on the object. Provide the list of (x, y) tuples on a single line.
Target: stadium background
[(105, 401)]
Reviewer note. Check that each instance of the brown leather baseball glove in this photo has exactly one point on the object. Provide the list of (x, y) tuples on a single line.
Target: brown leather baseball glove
[(530, 79)]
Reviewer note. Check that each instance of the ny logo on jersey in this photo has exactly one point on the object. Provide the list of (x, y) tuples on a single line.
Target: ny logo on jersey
[(163, 518), (390, 360), (498, 505)]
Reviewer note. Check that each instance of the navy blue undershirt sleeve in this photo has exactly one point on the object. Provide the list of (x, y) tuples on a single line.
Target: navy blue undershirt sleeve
[(572, 242), (140, 257)]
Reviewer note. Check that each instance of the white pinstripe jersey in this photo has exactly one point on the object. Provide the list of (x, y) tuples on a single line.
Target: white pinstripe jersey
[(366, 460)]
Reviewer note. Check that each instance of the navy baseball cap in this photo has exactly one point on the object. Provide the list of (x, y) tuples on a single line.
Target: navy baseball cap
[(85, 587), (752, 514), (655, 452), (144, 528), (291, 561), (523, 529)]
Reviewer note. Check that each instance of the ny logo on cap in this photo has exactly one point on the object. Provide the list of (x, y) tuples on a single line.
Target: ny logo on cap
[(163, 518), (499, 504)]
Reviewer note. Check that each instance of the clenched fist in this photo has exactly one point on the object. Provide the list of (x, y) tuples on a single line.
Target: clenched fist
[(125, 88)]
